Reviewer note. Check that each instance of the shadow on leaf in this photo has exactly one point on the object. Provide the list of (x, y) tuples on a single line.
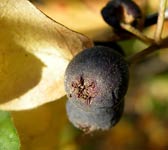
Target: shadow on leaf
[(19, 72)]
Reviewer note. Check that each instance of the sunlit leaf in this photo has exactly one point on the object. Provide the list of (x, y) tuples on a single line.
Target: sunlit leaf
[(34, 53), (82, 16), (9, 139)]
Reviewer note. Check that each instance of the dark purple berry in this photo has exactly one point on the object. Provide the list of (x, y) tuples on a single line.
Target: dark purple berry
[(102, 118), (112, 45), (122, 11), (96, 81)]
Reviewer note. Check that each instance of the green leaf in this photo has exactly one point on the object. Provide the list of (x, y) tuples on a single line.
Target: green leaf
[(9, 139)]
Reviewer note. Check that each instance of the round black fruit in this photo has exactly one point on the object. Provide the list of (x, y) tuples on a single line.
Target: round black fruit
[(96, 81), (122, 11), (102, 118)]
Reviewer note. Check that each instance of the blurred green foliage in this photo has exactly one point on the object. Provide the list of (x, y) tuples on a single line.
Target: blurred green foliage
[(9, 139)]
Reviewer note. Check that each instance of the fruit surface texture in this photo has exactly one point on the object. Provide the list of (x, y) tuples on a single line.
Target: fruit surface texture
[(96, 81)]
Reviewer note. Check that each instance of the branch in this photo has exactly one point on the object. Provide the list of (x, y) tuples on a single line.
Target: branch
[(160, 21), (137, 33), (153, 48), (152, 18)]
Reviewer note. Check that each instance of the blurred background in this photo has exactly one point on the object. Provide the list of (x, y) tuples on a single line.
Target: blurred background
[(144, 124)]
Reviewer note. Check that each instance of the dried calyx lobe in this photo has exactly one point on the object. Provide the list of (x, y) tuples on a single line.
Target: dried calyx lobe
[(96, 81)]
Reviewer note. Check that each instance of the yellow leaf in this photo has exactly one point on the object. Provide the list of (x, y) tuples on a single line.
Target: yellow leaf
[(83, 16), (34, 53)]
